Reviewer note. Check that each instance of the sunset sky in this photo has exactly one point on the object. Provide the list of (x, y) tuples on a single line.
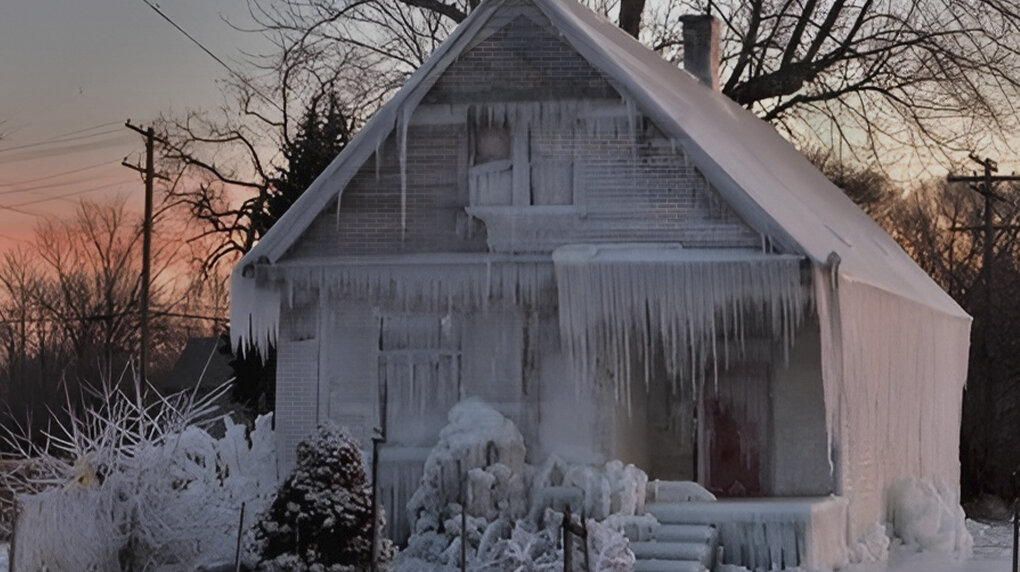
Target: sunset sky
[(71, 73)]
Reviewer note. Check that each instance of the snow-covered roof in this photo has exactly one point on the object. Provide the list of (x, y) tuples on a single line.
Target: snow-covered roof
[(770, 184)]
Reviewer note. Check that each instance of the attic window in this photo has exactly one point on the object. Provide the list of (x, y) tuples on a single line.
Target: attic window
[(492, 144), (491, 174)]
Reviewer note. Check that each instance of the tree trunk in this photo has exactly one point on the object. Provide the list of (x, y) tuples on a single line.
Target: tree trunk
[(630, 16)]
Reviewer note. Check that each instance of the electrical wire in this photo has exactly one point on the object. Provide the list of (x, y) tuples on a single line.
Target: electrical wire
[(32, 155), (68, 195), (64, 138), (55, 185), (55, 175), (241, 78)]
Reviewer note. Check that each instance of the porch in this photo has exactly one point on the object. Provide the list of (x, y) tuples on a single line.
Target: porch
[(758, 533)]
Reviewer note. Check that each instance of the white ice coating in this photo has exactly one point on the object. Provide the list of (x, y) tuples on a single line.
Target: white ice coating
[(623, 304), (441, 282), (513, 508), (425, 282), (254, 313), (176, 504), (892, 371), (927, 516), (894, 345), (600, 118)]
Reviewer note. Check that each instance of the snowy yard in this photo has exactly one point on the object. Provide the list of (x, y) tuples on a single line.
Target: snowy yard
[(992, 553)]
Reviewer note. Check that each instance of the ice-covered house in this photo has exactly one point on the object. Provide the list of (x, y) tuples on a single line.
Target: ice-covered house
[(629, 265)]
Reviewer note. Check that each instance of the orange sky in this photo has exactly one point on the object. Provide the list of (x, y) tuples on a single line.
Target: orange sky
[(72, 72)]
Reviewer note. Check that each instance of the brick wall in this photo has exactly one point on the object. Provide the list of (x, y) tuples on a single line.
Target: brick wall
[(370, 213), (639, 189), (521, 61), (297, 379)]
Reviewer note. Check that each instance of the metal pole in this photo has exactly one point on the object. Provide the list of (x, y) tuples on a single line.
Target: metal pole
[(376, 442), (568, 556), (11, 552), (1016, 531), (375, 503), (240, 533), (463, 517)]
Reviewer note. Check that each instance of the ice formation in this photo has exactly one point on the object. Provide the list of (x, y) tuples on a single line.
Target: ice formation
[(173, 504), (621, 304), (513, 509), (892, 371), (928, 516), (433, 283)]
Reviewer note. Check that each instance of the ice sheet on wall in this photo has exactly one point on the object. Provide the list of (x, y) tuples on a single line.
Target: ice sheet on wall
[(622, 304), (893, 373)]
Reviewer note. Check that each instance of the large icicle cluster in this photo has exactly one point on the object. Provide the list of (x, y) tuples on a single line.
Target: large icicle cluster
[(624, 305), (420, 283), (513, 509)]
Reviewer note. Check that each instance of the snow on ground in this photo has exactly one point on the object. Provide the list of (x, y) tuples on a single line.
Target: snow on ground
[(3, 557), (993, 545)]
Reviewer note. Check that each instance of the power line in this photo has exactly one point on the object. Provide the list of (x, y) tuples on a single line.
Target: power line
[(55, 175), (16, 207), (56, 185), (61, 139), (213, 56), (68, 150)]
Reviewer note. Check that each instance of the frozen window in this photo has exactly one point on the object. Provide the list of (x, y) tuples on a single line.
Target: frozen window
[(491, 175)]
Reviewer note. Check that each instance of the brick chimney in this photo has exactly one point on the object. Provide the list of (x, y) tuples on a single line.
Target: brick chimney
[(701, 48)]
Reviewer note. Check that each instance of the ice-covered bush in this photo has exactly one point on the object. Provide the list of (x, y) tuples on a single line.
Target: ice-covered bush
[(514, 510), (928, 516), (139, 484), (321, 518)]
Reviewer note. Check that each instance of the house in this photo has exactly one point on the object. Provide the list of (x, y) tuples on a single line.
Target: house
[(620, 259)]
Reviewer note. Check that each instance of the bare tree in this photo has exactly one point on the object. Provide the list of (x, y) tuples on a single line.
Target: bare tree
[(923, 78), (69, 308)]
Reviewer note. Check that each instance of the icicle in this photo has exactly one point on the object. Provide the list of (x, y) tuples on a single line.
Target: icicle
[(609, 292), (378, 159), (403, 121)]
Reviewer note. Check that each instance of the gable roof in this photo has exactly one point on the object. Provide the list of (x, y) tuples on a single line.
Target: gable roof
[(770, 184)]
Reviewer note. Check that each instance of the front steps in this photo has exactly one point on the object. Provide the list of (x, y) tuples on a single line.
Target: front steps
[(674, 545)]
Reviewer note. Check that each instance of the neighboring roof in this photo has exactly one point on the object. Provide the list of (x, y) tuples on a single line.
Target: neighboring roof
[(200, 363), (770, 184)]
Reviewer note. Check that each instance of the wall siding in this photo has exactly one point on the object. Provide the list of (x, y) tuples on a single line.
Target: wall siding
[(631, 185)]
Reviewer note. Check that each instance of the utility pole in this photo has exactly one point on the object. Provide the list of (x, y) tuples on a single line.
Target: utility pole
[(983, 184), (150, 175)]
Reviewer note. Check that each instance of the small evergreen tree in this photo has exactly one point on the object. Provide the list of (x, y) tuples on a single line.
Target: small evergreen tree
[(321, 518), (321, 135)]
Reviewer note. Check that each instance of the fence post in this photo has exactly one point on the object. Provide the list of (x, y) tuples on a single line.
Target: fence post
[(240, 534), (584, 537), (568, 552), (14, 535), (463, 516), (1016, 516)]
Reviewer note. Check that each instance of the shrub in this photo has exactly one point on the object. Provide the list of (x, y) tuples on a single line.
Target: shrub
[(322, 516)]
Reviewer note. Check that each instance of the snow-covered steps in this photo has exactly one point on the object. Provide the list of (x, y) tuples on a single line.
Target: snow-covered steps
[(758, 533), (674, 548), (658, 550), (668, 566)]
